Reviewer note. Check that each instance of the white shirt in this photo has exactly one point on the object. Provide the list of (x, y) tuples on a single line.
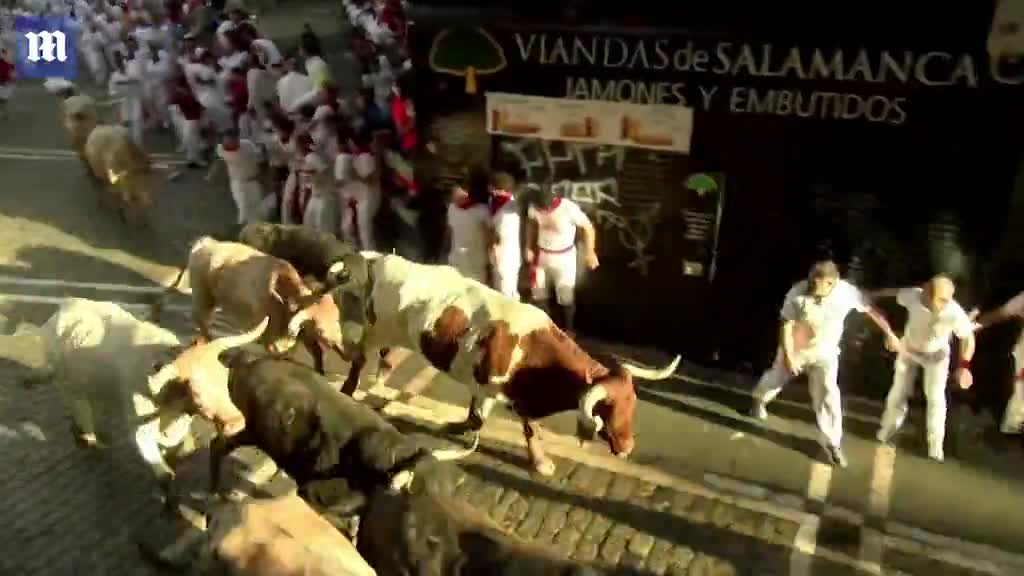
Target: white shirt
[(291, 87), (469, 228), (556, 228), (124, 84), (243, 164), (272, 56), (825, 319), (316, 68), (929, 333), (260, 85), (506, 227)]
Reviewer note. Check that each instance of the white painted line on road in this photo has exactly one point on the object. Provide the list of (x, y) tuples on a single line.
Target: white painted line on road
[(58, 300), (871, 544), (69, 152), (805, 545), (163, 163), (23, 281)]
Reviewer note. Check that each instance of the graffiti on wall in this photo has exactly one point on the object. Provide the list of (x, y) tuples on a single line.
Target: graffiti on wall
[(592, 176)]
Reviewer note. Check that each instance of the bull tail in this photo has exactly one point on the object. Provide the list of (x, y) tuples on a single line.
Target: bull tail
[(449, 454), (652, 374)]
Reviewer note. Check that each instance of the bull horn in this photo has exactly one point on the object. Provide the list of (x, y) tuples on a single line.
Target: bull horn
[(370, 254), (651, 374), (589, 402), (449, 454), (401, 480), (114, 177), (336, 269), (295, 324), (163, 376), (227, 342)]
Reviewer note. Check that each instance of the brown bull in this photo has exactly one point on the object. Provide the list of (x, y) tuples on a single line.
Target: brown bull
[(248, 285), (114, 159)]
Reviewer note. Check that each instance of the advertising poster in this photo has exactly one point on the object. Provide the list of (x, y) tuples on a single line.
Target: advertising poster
[(598, 122)]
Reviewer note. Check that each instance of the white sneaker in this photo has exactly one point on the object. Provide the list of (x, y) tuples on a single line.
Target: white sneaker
[(936, 454)]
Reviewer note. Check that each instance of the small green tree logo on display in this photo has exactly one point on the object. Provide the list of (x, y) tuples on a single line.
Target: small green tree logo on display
[(468, 52), (702, 184)]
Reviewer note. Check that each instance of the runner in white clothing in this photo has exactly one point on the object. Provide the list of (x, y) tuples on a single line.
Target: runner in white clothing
[(321, 210), (1013, 416), (506, 253), (469, 231), (126, 83), (813, 313), (242, 159), (359, 195), (551, 251), (932, 317)]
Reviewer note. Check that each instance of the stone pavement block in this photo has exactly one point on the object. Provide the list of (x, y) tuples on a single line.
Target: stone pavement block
[(898, 563), (621, 488), (534, 519), (486, 497), (554, 520), (706, 565), (659, 558), (500, 510), (567, 540)]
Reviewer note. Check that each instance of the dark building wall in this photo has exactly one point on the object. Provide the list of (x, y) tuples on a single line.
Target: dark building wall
[(924, 185)]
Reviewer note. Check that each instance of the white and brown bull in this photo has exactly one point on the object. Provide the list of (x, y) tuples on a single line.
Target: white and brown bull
[(122, 167), (78, 114), (100, 358), (248, 285), (502, 350)]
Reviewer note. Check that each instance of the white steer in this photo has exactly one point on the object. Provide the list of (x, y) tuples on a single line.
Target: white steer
[(102, 360)]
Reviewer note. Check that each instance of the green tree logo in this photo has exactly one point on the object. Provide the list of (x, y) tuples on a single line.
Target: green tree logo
[(701, 183), (467, 52)]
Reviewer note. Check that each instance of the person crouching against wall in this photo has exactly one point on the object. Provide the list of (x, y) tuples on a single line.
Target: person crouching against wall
[(551, 251), (469, 228)]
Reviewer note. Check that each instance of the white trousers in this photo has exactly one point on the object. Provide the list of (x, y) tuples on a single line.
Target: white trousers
[(822, 370), (469, 263), (360, 217), (1013, 416), (506, 278), (132, 116), (192, 140), (321, 213), (248, 195), (291, 188), (97, 64), (556, 269), (936, 372)]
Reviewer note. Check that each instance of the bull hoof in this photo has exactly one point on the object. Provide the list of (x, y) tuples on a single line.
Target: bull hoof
[(544, 467)]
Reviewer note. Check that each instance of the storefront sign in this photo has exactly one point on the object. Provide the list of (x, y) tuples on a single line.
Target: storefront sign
[(724, 76), (657, 127)]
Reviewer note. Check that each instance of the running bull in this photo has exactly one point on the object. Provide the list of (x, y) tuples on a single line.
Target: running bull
[(249, 285), (337, 450), (101, 358), (115, 159), (502, 350), (310, 251)]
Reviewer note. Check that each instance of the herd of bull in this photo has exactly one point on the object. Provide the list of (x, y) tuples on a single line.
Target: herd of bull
[(289, 284)]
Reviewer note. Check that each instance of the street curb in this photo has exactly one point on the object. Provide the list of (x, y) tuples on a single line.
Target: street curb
[(980, 558)]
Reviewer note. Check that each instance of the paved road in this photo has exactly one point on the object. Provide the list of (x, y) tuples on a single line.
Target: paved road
[(53, 230)]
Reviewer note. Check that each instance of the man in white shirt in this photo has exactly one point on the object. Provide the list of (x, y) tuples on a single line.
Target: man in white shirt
[(242, 159), (813, 313), (932, 317), (126, 83), (1013, 416), (506, 250), (292, 86), (551, 251)]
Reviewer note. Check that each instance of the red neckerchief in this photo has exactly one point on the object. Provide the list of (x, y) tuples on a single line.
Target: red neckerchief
[(554, 204), (499, 199)]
